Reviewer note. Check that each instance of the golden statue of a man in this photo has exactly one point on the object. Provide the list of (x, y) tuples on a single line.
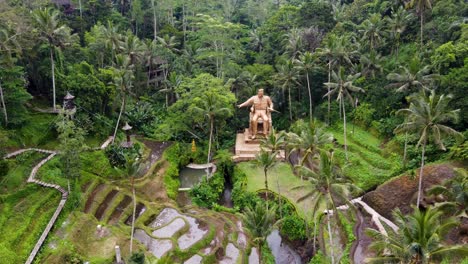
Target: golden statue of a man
[(261, 106)]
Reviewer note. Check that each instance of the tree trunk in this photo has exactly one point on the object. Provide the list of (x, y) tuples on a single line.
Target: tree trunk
[(421, 174), (310, 97), (5, 114), (290, 103), (328, 90), (118, 119), (279, 196), (330, 235), (133, 216), (155, 20), (266, 185), (52, 63), (211, 138), (315, 235), (344, 129), (422, 23), (405, 150)]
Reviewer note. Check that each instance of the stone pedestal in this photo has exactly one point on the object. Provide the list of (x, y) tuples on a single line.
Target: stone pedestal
[(247, 148)]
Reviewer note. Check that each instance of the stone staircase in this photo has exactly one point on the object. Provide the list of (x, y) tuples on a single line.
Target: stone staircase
[(32, 179), (247, 148)]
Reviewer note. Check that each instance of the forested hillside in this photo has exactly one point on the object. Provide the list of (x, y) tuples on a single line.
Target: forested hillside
[(367, 95)]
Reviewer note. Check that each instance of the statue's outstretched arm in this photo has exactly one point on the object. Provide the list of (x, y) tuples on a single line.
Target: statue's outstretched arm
[(246, 103)]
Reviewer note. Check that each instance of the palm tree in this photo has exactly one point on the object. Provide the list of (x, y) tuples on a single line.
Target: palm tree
[(455, 193), (266, 160), (338, 53), (171, 84), (426, 116), (305, 64), (112, 39), (421, 7), (211, 109), (168, 43), (308, 142), (133, 48), (259, 221), (328, 187), (274, 141), (372, 30), (54, 34), (397, 24), (343, 87), (287, 78), (418, 239), (410, 77), (371, 64), (293, 43), (123, 81)]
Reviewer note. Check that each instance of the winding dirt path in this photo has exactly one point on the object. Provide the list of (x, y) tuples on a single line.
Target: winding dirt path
[(32, 179)]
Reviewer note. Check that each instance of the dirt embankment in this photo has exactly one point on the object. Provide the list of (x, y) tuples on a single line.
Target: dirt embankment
[(401, 192)]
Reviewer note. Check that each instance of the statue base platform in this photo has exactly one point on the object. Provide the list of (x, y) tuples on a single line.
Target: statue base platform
[(247, 148)]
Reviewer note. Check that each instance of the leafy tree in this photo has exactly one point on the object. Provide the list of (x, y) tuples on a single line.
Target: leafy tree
[(212, 109), (13, 95), (287, 78), (410, 77), (328, 187), (305, 64), (311, 137), (418, 239), (372, 30), (421, 7), (266, 160), (426, 116), (455, 193), (259, 221), (343, 87), (54, 34), (71, 139), (398, 23)]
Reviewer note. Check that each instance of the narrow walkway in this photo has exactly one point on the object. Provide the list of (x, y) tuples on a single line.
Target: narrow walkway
[(377, 218), (32, 179)]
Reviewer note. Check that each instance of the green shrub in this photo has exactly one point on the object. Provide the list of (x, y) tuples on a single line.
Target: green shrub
[(177, 156), (293, 227), (208, 191), (4, 168), (267, 256), (319, 258)]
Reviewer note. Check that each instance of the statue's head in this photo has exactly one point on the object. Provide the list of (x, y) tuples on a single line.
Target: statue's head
[(260, 92)]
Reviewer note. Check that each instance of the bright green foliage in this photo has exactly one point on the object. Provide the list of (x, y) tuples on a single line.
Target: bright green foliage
[(13, 83), (259, 222), (208, 191), (293, 227), (418, 239)]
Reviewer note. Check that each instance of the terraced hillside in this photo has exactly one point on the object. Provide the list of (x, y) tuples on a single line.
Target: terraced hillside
[(25, 209), (368, 165), (161, 230)]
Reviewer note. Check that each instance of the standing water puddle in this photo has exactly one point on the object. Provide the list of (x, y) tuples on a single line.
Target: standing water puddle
[(282, 252), (190, 177)]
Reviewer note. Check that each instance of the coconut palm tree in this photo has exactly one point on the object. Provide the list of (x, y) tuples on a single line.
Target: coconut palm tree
[(343, 87), (287, 78), (371, 64), (398, 23), (274, 141), (328, 187), (426, 116), (211, 109), (455, 193), (171, 84), (112, 39), (54, 34), (305, 64), (372, 30), (412, 77), (123, 80), (259, 221), (266, 160), (308, 142), (419, 238), (293, 43), (421, 7)]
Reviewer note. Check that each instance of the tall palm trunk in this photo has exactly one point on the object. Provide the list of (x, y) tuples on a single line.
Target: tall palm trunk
[(155, 20), (421, 174), (280, 201), (5, 114), (122, 107), (405, 150), (422, 23), (290, 103), (310, 97), (330, 235), (133, 216), (266, 184), (344, 129), (211, 138), (52, 63), (328, 90)]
